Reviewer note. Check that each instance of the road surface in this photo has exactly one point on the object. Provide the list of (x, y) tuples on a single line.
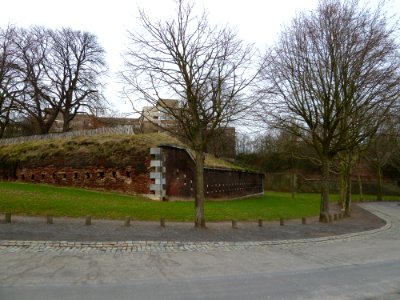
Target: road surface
[(365, 266)]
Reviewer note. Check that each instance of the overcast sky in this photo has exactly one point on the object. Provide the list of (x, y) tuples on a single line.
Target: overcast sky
[(258, 21)]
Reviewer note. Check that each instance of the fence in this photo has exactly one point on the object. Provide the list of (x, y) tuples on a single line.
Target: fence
[(283, 182), (127, 129)]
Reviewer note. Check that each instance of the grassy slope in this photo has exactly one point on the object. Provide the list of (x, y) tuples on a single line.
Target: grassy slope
[(30, 199), (88, 149), (111, 146)]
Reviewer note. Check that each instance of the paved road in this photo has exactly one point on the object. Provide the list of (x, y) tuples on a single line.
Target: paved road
[(363, 266)]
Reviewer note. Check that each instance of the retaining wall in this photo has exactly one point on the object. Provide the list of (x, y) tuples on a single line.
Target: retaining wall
[(218, 183)]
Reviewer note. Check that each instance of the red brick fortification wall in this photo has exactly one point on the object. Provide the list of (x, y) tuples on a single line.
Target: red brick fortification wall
[(120, 162), (132, 179), (223, 183), (218, 183)]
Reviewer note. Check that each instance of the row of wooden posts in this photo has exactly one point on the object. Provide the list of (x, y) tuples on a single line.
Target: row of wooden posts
[(88, 220), (127, 222)]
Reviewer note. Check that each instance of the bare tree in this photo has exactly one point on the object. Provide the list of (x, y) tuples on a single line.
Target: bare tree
[(205, 68), (60, 71), (74, 67), (10, 85), (380, 152), (37, 101), (332, 77), (244, 143)]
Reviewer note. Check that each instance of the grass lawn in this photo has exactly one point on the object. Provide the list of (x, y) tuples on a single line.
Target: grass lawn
[(39, 200)]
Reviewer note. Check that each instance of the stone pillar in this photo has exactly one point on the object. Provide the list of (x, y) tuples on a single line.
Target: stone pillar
[(158, 174)]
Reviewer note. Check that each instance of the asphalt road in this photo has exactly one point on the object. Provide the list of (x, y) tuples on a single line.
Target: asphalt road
[(359, 268)]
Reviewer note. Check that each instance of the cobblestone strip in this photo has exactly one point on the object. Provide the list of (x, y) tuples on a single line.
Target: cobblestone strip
[(163, 246)]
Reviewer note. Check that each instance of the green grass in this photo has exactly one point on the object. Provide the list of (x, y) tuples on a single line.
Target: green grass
[(39, 200)]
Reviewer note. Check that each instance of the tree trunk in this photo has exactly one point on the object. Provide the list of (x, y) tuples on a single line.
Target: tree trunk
[(66, 121), (45, 123), (343, 185), (199, 188), (347, 205), (360, 187), (5, 123), (43, 127), (294, 184), (2, 130), (379, 191), (324, 207), (294, 176)]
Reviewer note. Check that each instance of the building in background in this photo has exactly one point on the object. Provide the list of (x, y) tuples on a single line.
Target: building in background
[(157, 119)]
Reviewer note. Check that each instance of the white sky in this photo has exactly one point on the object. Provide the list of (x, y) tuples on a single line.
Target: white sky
[(258, 21)]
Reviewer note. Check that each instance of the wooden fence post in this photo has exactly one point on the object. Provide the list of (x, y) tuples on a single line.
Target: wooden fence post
[(8, 218), (234, 224), (49, 219)]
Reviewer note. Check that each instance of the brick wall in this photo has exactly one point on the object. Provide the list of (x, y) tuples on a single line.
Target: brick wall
[(218, 183), (134, 174), (133, 179)]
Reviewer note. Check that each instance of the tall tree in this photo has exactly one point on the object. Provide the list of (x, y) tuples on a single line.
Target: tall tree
[(332, 77), (37, 101), (380, 152), (61, 71), (205, 68), (74, 67), (10, 81)]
